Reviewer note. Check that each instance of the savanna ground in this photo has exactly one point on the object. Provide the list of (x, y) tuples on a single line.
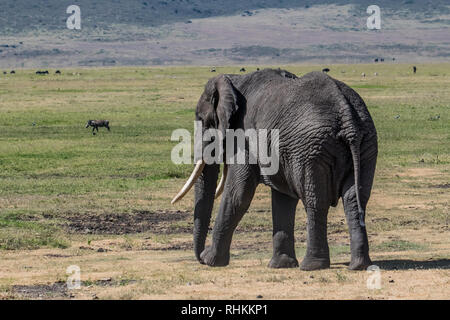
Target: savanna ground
[(102, 202)]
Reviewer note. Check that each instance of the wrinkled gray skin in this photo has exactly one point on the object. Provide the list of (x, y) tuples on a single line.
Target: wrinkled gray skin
[(327, 138)]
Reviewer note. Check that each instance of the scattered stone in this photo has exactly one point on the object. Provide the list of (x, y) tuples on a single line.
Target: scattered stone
[(85, 248)]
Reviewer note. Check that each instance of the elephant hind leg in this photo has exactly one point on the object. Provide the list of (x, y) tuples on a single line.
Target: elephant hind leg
[(359, 243), (283, 216), (317, 203)]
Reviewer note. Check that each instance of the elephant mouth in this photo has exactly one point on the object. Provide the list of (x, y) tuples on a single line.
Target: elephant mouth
[(198, 169)]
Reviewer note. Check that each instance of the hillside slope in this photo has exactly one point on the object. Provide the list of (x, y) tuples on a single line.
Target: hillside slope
[(144, 32)]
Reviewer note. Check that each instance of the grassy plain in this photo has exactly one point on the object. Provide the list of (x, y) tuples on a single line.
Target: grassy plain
[(102, 202)]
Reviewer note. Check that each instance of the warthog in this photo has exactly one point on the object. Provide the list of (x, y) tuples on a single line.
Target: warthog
[(95, 124)]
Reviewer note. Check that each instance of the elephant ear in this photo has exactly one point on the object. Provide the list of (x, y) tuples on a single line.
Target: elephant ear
[(225, 102)]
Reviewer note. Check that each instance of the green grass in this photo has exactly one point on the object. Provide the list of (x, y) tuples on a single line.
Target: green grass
[(18, 234), (400, 245), (58, 167)]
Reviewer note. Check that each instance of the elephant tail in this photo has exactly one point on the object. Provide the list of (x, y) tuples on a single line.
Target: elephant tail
[(356, 156), (352, 134)]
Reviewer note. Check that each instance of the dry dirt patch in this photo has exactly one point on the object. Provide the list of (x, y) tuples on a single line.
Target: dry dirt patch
[(441, 186), (56, 290), (420, 172), (158, 222)]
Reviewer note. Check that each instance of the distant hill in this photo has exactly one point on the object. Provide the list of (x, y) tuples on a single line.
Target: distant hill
[(146, 32)]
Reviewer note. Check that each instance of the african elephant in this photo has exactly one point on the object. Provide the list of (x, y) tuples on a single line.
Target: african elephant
[(327, 150)]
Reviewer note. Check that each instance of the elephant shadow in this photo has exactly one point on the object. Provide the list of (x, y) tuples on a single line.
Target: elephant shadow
[(405, 264)]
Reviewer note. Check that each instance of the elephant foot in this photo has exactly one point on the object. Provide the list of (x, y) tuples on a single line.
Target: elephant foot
[(310, 263), (211, 258), (360, 263), (283, 261)]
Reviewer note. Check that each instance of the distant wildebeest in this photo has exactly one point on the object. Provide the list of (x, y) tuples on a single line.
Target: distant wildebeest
[(382, 59), (57, 72), (95, 124), (326, 70), (415, 69), (242, 70), (376, 60), (4, 72), (42, 72), (12, 72), (257, 69)]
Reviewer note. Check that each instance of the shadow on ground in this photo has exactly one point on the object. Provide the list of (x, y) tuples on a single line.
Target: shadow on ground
[(412, 264)]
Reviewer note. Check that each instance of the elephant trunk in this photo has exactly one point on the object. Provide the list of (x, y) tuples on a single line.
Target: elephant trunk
[(205, 188)]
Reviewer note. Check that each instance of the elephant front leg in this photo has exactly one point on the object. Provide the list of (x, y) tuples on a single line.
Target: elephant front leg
[(283, 217), (236, 199)]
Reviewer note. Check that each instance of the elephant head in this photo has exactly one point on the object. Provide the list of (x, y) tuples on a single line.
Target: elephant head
[(217, 108)]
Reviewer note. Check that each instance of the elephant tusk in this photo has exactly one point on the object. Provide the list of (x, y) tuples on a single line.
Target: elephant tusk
[(190, 182), (221, 186)]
